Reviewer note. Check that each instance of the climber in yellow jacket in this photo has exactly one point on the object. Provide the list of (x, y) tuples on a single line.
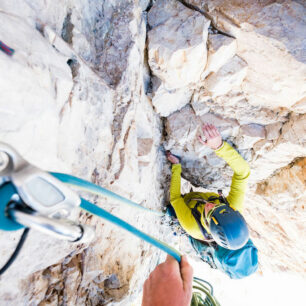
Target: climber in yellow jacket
[(209, 216)]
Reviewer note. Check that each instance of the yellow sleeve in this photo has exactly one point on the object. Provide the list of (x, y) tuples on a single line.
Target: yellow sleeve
[(183, 212), (175, 184), (241, 173)]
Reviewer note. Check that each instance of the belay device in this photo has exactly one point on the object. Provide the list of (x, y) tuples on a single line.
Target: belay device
[(33, 198)]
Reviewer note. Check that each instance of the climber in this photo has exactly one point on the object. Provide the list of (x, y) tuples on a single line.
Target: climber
[(209, 217), (169, 284)]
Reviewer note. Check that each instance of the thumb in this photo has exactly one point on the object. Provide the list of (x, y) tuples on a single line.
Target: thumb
[(186, 273), (202, 141)]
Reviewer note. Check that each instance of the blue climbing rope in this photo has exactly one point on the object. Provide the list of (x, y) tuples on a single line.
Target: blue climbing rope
[(95, 189), (100, 212), (94, 209)]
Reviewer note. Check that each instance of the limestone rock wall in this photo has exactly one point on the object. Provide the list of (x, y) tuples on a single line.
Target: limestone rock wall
[(270, 39), (100, 89), (73, 100), (281, 203), (247, 90)]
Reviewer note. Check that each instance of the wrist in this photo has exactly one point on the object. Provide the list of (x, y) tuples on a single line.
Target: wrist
[(220, 146)]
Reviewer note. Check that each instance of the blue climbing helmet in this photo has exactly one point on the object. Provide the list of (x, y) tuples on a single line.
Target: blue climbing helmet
[(228, 227)]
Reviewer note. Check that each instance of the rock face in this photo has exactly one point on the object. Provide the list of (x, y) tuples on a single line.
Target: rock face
[(246, 90), (282, 200), (269, 38), (177, 60), (170, 54), (229, 76), (72, 100), (84, 93), (253, 102), (221, 49), (166, 101)]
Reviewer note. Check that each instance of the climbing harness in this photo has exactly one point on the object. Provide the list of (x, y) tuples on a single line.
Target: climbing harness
[(33, 198), (197, 215)]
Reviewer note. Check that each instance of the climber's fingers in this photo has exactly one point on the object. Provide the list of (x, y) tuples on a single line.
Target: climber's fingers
[(172, 158), (210, 131), (204, 129), (214, 131), (207, 131)]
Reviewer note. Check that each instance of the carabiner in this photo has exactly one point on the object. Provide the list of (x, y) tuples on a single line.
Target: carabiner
[(13, 163), (37, 188)]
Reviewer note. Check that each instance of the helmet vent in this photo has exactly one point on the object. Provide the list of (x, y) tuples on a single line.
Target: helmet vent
[(221, 236), (224, 244)]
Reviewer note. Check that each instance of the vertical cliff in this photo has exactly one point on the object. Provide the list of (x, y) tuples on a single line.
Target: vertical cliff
[(100, 89)]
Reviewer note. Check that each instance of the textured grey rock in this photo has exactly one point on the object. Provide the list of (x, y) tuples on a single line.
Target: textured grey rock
[(166, 101), (282, 193), (273, 130), (178, 60), (67, 118), (269, 38), (221, 49), (229, 76)]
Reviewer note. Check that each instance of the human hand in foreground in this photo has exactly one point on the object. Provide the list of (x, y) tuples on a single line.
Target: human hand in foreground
[(212, 135), (172, 158), (170, 284)]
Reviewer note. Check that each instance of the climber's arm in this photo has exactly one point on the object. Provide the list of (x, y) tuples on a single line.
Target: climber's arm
[(175, 184), (183, 212), (241, 173), (240, 167)]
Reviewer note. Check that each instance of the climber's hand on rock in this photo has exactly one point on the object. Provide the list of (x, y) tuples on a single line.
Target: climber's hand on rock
[(172, 159), (169, 284), (213, 138)]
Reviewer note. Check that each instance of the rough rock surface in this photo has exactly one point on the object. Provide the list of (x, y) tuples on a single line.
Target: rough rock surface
[(171, 56), (221, 49), (257, 115), (166, 101), (72, 100), (270, 38), (281, 199), (229, 76), (84, 93)]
